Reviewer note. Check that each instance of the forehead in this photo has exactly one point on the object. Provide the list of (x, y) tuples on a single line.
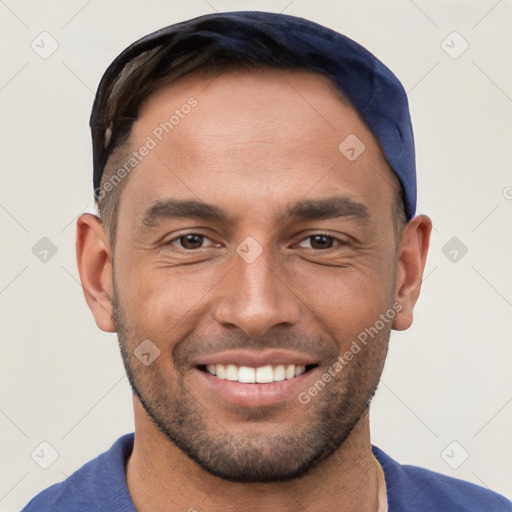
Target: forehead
[(268, 136)]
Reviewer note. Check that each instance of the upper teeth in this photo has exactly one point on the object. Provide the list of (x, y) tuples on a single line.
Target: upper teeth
[(261, 374)]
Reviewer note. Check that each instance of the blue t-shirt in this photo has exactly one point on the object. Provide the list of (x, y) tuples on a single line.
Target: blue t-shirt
[(100, 485)]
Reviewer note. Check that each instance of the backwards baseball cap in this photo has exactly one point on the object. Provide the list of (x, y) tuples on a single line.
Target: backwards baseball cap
[(256, 38)]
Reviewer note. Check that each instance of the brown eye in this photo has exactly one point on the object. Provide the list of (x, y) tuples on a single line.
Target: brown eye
[(321, 241), (190, 241)]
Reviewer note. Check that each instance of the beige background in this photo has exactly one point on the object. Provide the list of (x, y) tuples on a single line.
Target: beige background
[(447, 378)]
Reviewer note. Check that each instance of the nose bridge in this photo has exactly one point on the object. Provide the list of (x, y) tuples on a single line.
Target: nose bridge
[(255, 299)]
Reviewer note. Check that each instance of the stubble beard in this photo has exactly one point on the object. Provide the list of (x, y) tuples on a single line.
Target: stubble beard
[(251, 456)]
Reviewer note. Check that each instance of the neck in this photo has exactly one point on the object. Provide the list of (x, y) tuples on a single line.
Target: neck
[(159, 474)]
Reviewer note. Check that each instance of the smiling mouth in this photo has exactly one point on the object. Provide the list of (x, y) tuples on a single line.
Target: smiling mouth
[(259, 375)]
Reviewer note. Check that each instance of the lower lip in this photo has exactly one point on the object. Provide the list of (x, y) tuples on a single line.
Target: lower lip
[(254, 395)]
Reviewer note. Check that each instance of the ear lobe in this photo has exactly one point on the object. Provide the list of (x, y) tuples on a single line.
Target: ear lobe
[(94, 259), (411, 259)]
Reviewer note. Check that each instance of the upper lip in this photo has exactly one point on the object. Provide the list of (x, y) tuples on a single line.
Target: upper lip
[(256, 359)]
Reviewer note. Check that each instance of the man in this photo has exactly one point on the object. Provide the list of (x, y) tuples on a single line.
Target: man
[(256, 244)]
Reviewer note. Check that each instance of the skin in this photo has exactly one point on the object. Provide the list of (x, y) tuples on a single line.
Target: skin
[(255, 143)]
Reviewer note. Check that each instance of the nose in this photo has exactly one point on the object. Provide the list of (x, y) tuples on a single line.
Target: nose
[(256, 298)]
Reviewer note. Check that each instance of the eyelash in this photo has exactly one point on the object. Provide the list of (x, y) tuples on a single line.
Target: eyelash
[(184, 235), (339, 241)]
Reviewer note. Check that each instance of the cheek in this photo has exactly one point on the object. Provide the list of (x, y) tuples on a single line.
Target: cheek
[(346, 301), (166, 303)]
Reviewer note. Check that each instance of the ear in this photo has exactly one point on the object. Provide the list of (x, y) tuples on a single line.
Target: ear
[(411, 258), (94, 258)]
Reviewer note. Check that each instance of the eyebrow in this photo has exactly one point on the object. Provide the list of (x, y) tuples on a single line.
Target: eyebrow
[(328, 208), (309, 209), (176, 208)]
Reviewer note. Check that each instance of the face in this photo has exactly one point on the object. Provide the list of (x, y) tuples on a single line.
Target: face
[(250, 248)]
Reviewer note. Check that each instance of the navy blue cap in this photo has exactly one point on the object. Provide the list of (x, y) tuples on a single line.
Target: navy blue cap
[(261, 37)]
